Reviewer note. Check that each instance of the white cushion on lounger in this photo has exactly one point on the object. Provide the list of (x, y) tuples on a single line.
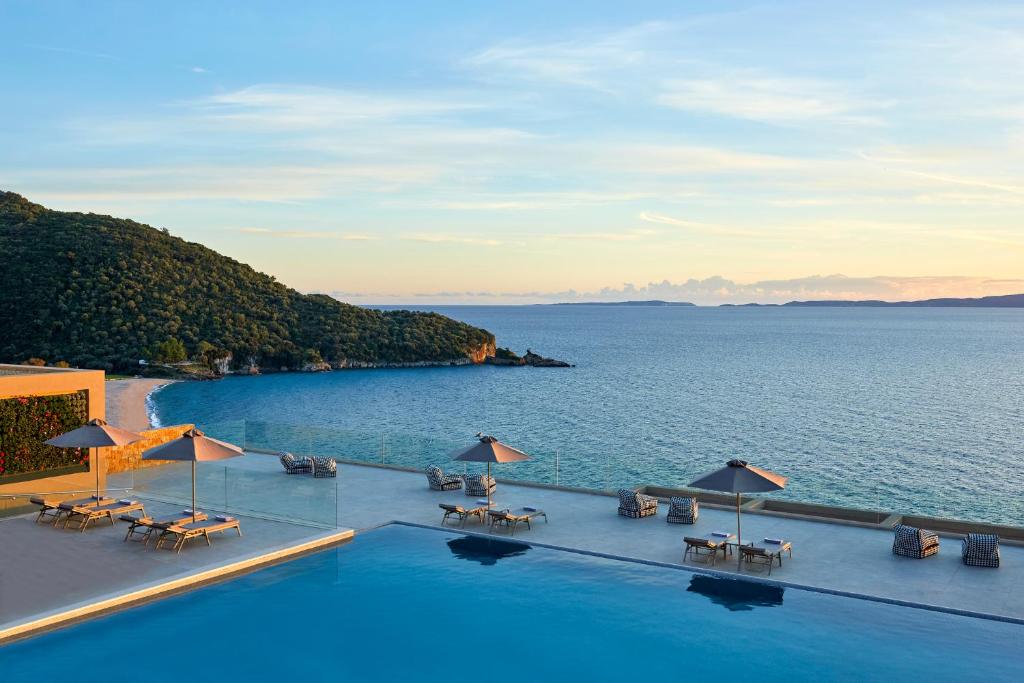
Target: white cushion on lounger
[(127, 501), (225, 518)]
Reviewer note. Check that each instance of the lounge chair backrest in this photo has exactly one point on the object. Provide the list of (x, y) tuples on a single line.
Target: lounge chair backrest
[(450, 508), (434, 475), (909, 536), (748, 550), (628, 499), (699, 542), (982, 544)]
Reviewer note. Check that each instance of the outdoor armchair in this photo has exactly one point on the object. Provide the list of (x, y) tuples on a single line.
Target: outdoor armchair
[(324, 467), (683, 510), (980, 550), (910, 541), (439, 481), (633, 504), (479, 484)]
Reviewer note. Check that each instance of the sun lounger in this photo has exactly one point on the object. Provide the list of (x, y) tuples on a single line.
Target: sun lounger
[(461, 513), (910, 541), (50, 508), (704, 547), (86, 515), (511, 519), (479, 484), (147, 526), (633, 504), (439, 481), (683, 510), (766, 553), (180, 534), (980, 550)]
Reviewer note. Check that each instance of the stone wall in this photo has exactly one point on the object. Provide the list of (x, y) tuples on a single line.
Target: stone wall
[(125, 458)]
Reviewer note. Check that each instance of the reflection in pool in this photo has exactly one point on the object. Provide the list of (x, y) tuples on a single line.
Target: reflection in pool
[(734, 595)]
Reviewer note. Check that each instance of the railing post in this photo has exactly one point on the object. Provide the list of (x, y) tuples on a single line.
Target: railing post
[(556, 467)]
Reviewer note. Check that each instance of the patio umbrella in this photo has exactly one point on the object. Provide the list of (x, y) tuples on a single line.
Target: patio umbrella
[(95, 434), (488, 450), (739, 477), (193, 446)]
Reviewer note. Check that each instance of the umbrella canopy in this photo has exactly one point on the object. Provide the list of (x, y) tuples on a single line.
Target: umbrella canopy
[(97, 434), (193, 446), (739, 477), (488, 450)]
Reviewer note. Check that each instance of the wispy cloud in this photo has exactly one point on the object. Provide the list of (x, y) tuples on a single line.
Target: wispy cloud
[(759, 97), (281, 106), (305, 235), (430, 238), (717, 290)]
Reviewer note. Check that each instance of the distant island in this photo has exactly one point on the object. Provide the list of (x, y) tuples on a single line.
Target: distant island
[(651, 302), (1003, 301), (95, 291)]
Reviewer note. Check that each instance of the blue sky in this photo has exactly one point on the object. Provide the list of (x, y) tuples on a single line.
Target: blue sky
[(470, 152)]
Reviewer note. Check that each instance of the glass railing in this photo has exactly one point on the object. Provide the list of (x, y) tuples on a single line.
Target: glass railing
[(238, 487), (252, 486)]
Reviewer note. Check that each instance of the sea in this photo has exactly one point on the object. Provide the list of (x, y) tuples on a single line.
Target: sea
[(912, 410)]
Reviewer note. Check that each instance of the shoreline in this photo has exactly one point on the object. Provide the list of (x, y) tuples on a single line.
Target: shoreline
[(129, 403)]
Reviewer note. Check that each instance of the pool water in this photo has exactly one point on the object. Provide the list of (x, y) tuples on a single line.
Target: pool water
[(402, 603)]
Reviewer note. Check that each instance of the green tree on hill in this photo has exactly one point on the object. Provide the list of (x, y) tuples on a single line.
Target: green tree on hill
[(99, 292)]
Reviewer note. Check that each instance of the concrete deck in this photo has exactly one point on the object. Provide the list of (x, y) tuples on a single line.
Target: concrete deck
[(49, 575), (826, 556), (46, 571)]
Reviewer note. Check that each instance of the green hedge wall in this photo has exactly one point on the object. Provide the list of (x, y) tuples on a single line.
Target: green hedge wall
[(27, 421)]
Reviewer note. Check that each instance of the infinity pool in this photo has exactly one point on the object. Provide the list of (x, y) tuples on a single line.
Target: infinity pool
[(402, 603)]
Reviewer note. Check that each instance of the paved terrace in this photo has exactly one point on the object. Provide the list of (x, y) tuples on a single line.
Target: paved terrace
[(826, 555), (46, 572)]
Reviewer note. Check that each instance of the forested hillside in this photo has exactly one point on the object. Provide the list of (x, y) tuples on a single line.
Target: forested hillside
[(102, 292)]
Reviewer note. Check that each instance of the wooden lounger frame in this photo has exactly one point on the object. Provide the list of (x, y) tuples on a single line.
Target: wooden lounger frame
[(91, 514), (182, 533)]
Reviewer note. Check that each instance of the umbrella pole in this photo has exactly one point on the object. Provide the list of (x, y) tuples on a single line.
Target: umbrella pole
[(193, 491), (488, 485), (739, 536), (96, 468)]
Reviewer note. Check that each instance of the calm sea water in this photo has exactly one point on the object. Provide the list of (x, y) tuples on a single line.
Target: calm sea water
[(909, 410)]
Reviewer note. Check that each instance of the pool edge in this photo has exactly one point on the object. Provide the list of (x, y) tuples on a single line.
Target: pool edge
[(720, 574), (182, 583)]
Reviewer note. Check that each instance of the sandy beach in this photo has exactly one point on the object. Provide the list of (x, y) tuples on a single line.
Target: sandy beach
[(126, 402)]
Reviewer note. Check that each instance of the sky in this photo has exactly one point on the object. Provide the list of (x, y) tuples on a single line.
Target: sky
[(467, 152)]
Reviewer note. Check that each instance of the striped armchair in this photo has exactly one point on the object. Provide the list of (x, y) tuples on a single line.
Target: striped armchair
[(293, 465), (324, 467), (439, 481), (633, 504), (479, 484), (910, 541), (980, 550), (683, 510)]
